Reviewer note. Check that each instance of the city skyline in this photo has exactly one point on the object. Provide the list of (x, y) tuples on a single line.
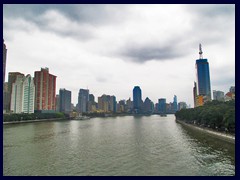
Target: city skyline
[(85, 47)]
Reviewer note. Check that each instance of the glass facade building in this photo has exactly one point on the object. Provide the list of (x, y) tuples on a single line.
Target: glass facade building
[(65, 97), (137, 98), (203, 78), (162, 106)]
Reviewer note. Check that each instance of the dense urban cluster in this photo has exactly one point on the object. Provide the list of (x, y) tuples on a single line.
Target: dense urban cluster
[(27, 94)]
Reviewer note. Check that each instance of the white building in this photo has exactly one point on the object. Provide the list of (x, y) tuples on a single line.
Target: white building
[(23, 93)]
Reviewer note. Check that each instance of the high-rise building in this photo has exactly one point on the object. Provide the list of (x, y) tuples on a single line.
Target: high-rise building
[(203, 77), (175, 104), (4, 60), (195, 94), (148, 106), (45, 91), (107, 103), (22, 97), (162, 106), (92, 105), (91, 98), (113, 104), (137, 99), (121, 106), (12, 76), (218, 95), (83, 98), (65, 97), (129, 104)]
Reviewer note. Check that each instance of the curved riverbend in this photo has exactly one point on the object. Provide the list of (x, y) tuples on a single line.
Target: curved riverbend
[(146, 145)]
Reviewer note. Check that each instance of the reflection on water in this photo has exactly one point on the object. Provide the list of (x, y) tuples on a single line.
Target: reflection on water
[(147, 145)]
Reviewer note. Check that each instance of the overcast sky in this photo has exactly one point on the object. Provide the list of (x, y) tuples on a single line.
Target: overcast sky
[(109, 49)]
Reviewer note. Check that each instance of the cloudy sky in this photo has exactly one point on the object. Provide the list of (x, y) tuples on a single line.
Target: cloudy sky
[(109, 49)]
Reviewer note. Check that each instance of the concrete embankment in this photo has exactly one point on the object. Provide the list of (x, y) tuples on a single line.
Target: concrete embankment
[(29, 121), (219, 135)]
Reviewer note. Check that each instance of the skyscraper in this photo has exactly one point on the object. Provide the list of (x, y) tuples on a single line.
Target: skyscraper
[(45, 91), (12, 76), (203, 77), (65, 97), (148, 106), (23, 92), (113, 104), (4, 60), (137, 99), (83, 98), (175, 104), (162, 106)]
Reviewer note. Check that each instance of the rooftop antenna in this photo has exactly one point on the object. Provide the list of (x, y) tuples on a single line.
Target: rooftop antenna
[(200, 52)]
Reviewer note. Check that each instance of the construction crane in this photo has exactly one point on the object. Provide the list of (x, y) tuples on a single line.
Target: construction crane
[(200, 52)]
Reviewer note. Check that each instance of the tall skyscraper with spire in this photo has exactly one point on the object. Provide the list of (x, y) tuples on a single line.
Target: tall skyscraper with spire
[(203, 87)]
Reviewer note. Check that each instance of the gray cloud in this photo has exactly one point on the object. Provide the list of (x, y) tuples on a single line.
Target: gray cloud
[(211, 10), (97, 14), (211, 22), (147, 53), (85, 17), (101, 36)]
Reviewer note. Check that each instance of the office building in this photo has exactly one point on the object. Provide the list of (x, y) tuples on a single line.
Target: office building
[(203, 86), (113, 104), (162, 106), (83, 98), (65, 97), (175, 104), (137, 99), (148, 106)]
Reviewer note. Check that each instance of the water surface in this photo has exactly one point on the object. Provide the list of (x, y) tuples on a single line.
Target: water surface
[(147, 145)]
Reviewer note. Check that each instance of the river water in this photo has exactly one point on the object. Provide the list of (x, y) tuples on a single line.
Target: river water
[(132, 146)]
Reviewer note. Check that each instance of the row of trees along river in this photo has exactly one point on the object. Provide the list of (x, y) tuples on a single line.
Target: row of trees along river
[(33, 116), (215, 114)]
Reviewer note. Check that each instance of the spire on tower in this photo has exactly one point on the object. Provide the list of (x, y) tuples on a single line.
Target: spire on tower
[(200, 52)]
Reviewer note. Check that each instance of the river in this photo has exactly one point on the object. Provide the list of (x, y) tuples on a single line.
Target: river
[(114, 146)]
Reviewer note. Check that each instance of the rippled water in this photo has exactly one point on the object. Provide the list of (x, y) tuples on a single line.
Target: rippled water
[(147, 145)]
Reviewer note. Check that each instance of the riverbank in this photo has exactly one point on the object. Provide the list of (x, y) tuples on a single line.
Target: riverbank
[(219, 135), (37, 120)]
